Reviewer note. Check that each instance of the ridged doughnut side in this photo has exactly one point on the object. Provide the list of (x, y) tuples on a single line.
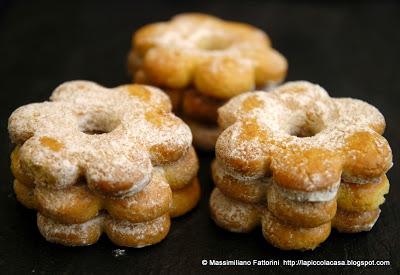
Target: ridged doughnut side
[(233, 215), (181, 172), (287, 237)]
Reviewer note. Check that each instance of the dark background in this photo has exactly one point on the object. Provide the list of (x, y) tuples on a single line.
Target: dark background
[(351, 50)]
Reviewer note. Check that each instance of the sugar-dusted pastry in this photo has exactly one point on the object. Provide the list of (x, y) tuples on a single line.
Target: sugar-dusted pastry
[(202, 61), (297, 162), (95, 160)]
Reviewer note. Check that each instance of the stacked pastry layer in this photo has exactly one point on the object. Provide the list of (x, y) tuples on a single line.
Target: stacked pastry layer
[(201, 62), (298, 162), (99, 160)]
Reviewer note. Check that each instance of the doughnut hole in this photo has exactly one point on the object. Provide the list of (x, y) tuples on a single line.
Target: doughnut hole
[(288, 237), (125, 233), (98, 122), (251, 191), (233, 215), (311, 126), (75, 204), (22, 177), (151, 202), (224, 77), (301, 214), (307, 170), (25, 194), (368, 156), (362, 197), (169, 67), (185, 199)]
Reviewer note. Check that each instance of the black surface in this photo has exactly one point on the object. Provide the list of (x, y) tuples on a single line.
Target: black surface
[(350, 50)]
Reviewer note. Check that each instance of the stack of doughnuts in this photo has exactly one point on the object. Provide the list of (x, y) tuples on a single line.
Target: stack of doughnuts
[(201, 62), (95, 160), (298, 162)]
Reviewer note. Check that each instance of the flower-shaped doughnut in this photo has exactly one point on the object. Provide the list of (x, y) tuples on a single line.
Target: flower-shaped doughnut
[(220, 58), (304, 138), (290, 158), (60, 144), (116, 159)]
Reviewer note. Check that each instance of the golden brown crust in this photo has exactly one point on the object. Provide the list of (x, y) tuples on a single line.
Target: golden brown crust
[(24, 194), (98, 165), (292, 162), (325, 158), (301, 214), (70, 234), (120, 232), (152, 202), (176, 97), (137, 235), (368, 155), (249, 162), (172, 68), (309, 146), (353, 222), (165, 150), (224, 78), (304, 138), (204, 136), (287, 237), (185, 199), (75, 204), (200, 107), (204, 51), (245, 191), (270, 65), (87, 119), (72, 216), (16, 168), (232, 215), (181, 172), (362, 197)]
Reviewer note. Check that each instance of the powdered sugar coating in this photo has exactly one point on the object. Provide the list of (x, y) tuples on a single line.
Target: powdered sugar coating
[(233, 215), (298, 130), (205, 47), (84, 233), (198, 32), (58, 147), (138, 234)]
